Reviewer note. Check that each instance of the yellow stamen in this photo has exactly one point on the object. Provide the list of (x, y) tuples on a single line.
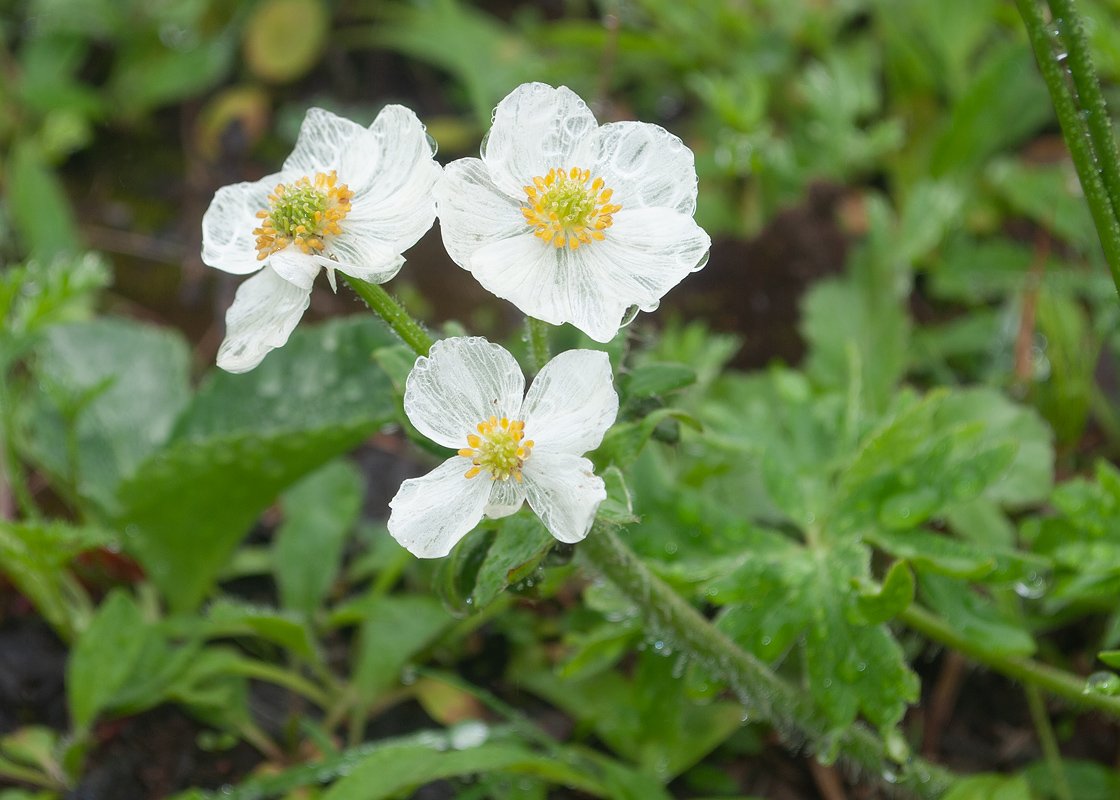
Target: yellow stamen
[(498, 449), (561, 206), (302, 213)]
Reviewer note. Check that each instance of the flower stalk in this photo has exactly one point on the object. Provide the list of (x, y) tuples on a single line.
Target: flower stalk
[(1075, 129), (393, 313), (538, 343)]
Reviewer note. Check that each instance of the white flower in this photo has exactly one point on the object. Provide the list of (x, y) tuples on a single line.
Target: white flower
[(469, 394), (572, 221), (347, 198)]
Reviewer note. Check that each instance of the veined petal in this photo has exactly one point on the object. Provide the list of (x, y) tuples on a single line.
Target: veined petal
[(647, 167), (391, 171), (296, 266), (570, 404), (432, 513), (537, 128), (506, 498), (323, 137), (473, 211), (228, 242), (564, 492), (265, 310), (360, 254), (530, 273), (462, 382)]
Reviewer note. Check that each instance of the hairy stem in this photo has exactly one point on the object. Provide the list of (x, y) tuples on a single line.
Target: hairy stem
[(1076, 133), (1048, 741), (768, 696), (1057, 682), (1089, 93), (393, 313), (538, 342)]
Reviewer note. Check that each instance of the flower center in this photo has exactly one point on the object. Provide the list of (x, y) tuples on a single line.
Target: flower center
[(302, 213), (564, 208), (498, 449)]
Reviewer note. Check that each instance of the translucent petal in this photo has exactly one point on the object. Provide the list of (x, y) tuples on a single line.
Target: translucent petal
[(531, 274), (431, 514), (323, 137), (264, 313), (646, 167), (391, 171), (537, 128), (570, 404), (228, 242), (360, 254), (473, 211), (506, 497), (462, 382), (292, 264), (564, 492)]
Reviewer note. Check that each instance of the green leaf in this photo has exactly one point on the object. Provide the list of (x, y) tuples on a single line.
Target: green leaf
[(657, 378), (241, 441), (288, 631), (852, 667), (625, 440), (103, 657), (284, 38), (889, 600), (35, 559), (319, 512), (1087, 780), (148, 74), (936, 553), (521, 543), (617, 507), (118, 388), (976, 617), (1045, 194), (38, 202), (395, 629), (990, 787)]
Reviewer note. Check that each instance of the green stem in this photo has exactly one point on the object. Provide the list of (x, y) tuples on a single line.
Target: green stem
[(767, 696), (393, 313), (1076, 133), (1080, 63), (538, 342), (18, 772), (1048, 741), (1057, 682), (271, 673)]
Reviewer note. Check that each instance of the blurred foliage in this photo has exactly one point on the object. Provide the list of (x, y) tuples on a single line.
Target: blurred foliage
[(946, 440)]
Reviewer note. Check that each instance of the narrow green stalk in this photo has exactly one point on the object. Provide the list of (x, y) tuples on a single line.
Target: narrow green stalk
[(767, 696), (1048, 741), (1080, 63), (538, 342), (271, 673), (1076, 134), (17, 772), (393, 313), (1057, 682)]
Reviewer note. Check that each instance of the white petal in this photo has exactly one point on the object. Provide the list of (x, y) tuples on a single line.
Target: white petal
[(263, 315), (462, 382), (228, 242), (538, 128), (323, 137), (647, 167), (506, 498), (473, 211), (570, 404), (531, 274), (431, 514), (360, 255), (564, 492), (295, 266), (391, 171)]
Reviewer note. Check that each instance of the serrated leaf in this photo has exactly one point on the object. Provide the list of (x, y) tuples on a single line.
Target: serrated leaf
[(241, 441), (625, 440), (891, 599), (975, 617), (118, 388), (518, 547), (319, 511), (103, 657)]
